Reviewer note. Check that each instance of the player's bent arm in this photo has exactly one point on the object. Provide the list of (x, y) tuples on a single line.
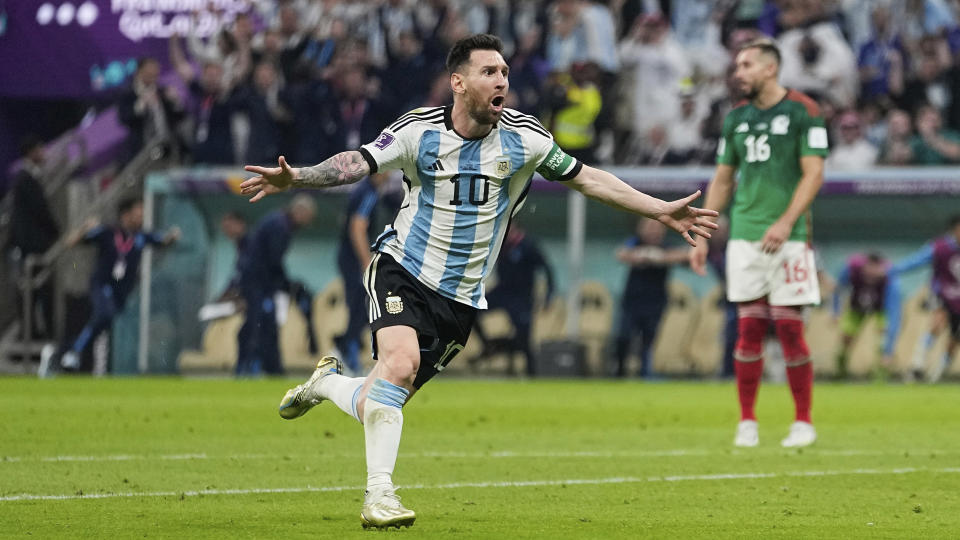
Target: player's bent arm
[(344, 168), (806, 190), (608, 189), (720, 189)]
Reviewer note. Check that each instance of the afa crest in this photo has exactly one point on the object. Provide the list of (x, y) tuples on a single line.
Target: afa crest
[(503, 166), (394, 305)]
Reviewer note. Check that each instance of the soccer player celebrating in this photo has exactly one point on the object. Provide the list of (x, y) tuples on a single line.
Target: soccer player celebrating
[(467, 170), (777, 140)]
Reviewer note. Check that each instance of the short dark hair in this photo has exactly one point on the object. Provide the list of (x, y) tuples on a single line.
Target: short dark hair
[(876, 257), (764, 45), (460, 52), (127, 204), (954, 221), (144, 60)]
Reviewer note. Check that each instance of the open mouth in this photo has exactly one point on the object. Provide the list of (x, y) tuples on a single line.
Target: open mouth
[(497, 103)]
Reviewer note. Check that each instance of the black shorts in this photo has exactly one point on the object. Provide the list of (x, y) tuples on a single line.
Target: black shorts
[(953, 319), (399, 299)]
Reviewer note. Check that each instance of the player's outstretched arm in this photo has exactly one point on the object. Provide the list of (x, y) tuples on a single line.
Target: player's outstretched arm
[(343, 168), (678, 215)]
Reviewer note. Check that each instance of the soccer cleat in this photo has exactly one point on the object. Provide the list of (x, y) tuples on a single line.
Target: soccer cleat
[(801, 434), (382, 509), (747, 434), (303, 397), (70, 361)]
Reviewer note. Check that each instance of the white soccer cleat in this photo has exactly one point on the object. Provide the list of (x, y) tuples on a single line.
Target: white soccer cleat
[(382, 509), (70, 361), (801, 434), (748, 434), (303, 397), (937, 372)]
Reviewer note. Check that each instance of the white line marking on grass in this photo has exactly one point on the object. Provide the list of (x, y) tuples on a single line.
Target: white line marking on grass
[(460, 485), (498, 454)]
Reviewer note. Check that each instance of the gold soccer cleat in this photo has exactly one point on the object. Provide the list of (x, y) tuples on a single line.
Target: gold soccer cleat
[(382, 509), (301, 398)]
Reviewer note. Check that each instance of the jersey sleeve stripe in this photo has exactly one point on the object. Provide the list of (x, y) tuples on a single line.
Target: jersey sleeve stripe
[(369, 157), (400, 125), (416, 115)]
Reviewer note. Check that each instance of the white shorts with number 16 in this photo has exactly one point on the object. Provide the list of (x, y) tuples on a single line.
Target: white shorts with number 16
[(787, 277)]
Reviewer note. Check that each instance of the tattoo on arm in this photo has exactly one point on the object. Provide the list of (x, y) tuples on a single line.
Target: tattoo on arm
[(343, 168)]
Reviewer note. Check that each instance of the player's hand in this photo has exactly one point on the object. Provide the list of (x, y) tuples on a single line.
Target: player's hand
[(776, 235), (172, 235), (698, 258), (685, 219), (271, 180)]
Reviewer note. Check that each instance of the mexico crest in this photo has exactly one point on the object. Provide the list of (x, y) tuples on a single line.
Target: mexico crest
[(394, 305)]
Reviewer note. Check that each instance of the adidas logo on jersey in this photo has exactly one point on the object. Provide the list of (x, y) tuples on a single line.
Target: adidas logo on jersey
[(436, 166)]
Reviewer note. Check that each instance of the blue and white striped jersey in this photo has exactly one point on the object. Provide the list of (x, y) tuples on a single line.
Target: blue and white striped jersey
[(459, 194)]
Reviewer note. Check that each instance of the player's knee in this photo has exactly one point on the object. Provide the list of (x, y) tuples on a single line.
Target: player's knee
[(788, 322), (399, 364), (752, 324)]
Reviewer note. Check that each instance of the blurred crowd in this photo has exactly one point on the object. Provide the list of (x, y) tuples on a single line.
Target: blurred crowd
[(634, 82)]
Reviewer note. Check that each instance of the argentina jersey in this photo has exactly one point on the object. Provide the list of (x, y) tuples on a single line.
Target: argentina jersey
[(459, 193)]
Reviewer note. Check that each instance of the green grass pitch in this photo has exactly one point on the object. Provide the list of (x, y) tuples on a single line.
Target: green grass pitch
[(198, 458)]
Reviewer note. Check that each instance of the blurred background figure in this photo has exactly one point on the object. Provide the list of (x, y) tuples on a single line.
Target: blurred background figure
[(645, 294), (574, 103), (33, 230), (943, 254), (264, 284), (115, 274), (897, 144), (353, 257), (150, 111), (872, 293), (934, 144), (717, 260), (521, 260), (851, 150)]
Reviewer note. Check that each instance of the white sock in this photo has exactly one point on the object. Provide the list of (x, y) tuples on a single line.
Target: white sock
[(382, 426), (920, 351), (342, 391)]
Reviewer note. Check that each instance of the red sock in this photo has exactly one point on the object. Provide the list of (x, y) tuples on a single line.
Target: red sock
[(752, 323), (748, 382), (788, 323), (801, 385)]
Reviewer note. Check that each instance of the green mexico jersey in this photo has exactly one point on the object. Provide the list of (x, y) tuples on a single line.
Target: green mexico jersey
[(766, 147)]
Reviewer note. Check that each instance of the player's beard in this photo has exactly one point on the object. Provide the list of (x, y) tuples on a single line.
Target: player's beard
[(752, 92), (481, 112)]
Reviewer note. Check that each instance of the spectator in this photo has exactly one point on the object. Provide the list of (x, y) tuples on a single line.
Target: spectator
[(33, 230), (897, 146), (882, 59), (928, 82), (148, 110), (659, 65), (645, 295), (817, 60), (717, 259), (851, 151), (263, 102), (919, 18), (567, 38), (521, 259), (119, 249), (353, 115), (934, 145), (528, 70), (684, 142), (213, 107), (574, 102), (405, 58), (353, 257), (262, 278)]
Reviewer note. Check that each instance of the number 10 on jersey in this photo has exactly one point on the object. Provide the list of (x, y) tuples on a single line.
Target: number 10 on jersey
[(479, 190)]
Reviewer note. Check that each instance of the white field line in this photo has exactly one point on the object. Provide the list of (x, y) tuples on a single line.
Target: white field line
[(500, 454), (460, 485)]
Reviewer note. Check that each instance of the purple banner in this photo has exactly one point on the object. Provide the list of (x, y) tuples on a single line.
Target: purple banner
[(81, 48)]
